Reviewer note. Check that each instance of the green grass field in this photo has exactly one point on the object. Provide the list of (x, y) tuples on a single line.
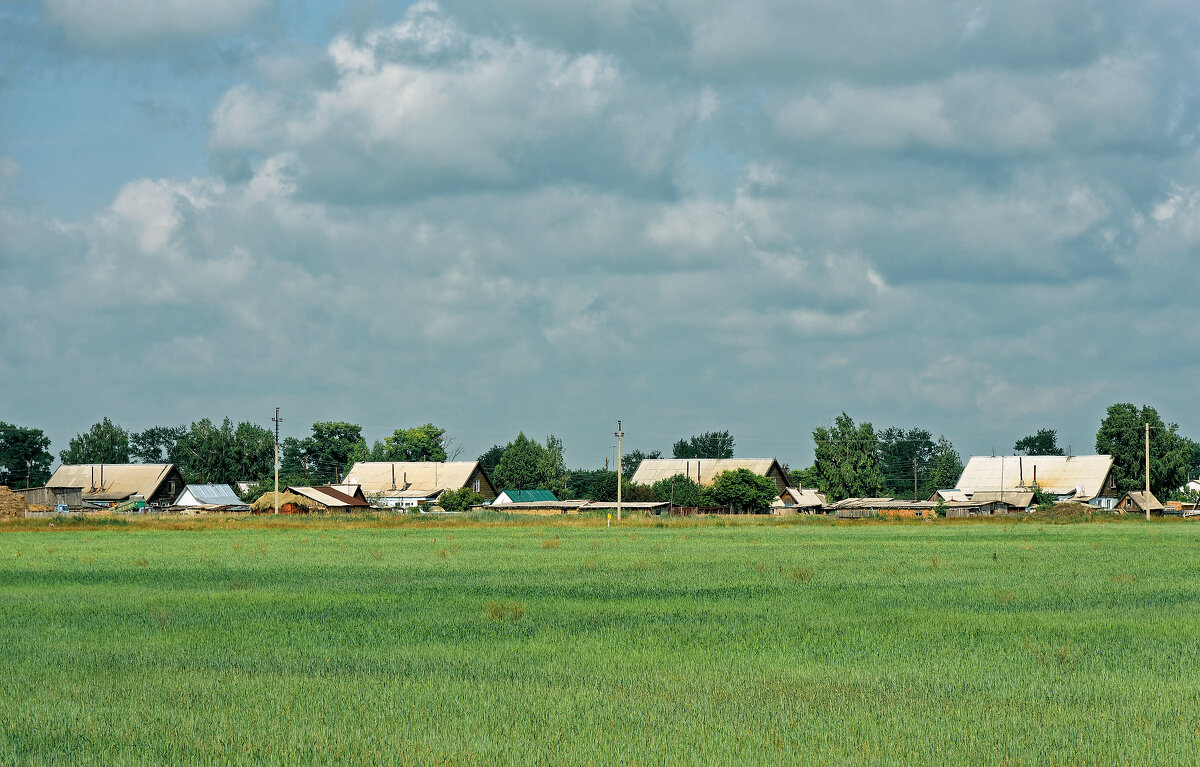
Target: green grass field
[(810, 643)]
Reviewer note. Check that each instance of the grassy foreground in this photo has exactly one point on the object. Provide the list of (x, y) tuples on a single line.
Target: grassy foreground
[(542, 644)]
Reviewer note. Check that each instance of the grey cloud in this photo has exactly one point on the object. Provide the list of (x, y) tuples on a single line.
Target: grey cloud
[(106, 25)]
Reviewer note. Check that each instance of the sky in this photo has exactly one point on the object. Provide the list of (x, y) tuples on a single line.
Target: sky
[(978, 218)]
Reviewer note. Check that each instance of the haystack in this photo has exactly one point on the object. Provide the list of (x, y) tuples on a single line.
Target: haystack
[(12, 504), (288, 502)]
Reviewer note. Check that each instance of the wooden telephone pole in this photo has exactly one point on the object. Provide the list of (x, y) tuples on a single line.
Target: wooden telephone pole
[(618, 434), (1147, 470), (276, 419)]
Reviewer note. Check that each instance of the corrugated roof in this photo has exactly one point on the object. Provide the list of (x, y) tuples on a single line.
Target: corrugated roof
[(949, 495), (652, 470), (1142, 500), (327, 496), (427, 476), (121, 480), (214, 495), (1018, 498), (1081, 475), (523, 496), (803, 497)]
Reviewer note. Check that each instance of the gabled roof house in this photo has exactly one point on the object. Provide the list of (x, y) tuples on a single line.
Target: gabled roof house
[(110, 483), (704, 471), (408, 483)]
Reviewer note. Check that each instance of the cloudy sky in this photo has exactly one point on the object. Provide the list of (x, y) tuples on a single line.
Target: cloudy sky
[(982, 218)]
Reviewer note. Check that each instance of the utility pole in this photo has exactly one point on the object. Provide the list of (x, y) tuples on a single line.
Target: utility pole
[(915, 498), (618, 434), (277, 419), (1147, 469)]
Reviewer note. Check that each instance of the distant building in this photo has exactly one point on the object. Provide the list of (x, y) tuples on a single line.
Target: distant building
[(1079, 478), (159, 484), (210, 495), (524, 496), (704, 471), (409, 483)]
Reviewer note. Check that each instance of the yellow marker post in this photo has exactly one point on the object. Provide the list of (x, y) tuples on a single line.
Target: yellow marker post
[(610, 520)]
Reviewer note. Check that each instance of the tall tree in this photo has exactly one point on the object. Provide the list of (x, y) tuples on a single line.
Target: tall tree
[(24, 456), (1122, 435), (744, 490), (710, 444), (1045, 442), (420, 443), (681, 490), (521, 466), (157, 444), (206, 452), (903, 454), (552, 467), (326, 452), (490, 459), (945, 469), (105, 442), (631, 460), (847, 460)]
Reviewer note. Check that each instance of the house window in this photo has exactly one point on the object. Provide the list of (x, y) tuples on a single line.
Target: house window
[(475, 487)]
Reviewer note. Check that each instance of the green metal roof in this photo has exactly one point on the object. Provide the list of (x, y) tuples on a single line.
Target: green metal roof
[(527, 496)]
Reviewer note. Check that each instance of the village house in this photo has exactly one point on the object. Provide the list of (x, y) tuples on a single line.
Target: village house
[(1078, 478), (704, 471), (402, 484), (108, 484)]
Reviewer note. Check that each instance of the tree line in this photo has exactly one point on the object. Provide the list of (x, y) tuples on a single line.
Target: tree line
[(850, 459)]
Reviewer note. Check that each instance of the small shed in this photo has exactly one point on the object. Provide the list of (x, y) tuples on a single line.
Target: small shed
[(524, 496), (209, 495), (332, 497), (52, 497), (1140, 501), (795, 500)]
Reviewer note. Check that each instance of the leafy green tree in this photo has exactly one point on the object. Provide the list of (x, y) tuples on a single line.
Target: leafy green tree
[(326, 452), (710, 444), (206, 452), (253, 452), (522, 465), (945, 469), (552, 467), (1122, 436), (847, 460), (605, 489), (1045, 442), (24, 456), (807, 478), (581, 481), (157, 444), (105, 442), (1194, 446), (744, 490), (459, 500), (681, 490), (490, 459), (420, 443), (631, 460), (901, 453)]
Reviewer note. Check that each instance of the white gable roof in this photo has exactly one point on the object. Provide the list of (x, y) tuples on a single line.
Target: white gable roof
[(1080, 475)]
